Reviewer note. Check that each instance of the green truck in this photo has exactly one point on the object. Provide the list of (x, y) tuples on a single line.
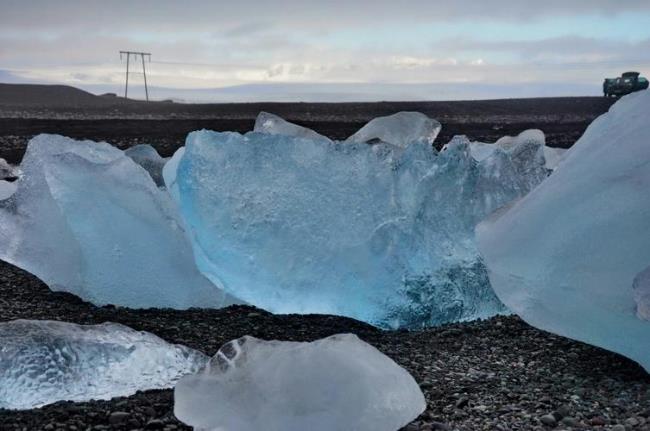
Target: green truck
[(627, 83)]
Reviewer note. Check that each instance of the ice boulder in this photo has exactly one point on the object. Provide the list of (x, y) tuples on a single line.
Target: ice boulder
[(337, 383), (88, 220), (572, 256), (146, 156), (400, 130), (273, 125), (42, 362), (375, 232)]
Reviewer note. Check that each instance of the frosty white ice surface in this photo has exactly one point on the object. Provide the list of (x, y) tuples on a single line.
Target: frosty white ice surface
[(88, 220), (337, 383), (273, 125), (400, 129), (46, 361), (375, 232), (552, 156), (565, 257), (146, 156), (642, 294)]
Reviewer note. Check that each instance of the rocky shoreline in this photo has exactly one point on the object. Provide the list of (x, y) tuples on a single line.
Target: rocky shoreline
[(498, 374)]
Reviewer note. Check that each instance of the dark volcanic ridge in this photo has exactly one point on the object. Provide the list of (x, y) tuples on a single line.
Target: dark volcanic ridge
[(496, 374)]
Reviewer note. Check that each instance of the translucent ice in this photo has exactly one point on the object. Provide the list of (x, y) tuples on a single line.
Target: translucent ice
[(400, 129), (536, 137), (572, 256), (88, 220), (146, 156), (169, 172), (337, 383), (274, 125), (375, 232), (46, 361), (554, 156)]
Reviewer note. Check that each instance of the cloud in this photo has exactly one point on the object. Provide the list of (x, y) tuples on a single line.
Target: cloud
[(204, 44), (211, 15)]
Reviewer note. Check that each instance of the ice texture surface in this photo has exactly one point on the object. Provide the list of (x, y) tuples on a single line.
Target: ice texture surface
[(400, 129), (571, 256), (273, 125), (336, 383), (146, 156), (376, 232), (42, 362), (552, 156), (88, 220)]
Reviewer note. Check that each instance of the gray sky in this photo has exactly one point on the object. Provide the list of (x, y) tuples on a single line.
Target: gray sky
[(334, 50)]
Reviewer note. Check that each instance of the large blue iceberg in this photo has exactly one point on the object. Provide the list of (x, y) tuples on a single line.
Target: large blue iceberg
[(383, 233), (573, 256), (381, 229)]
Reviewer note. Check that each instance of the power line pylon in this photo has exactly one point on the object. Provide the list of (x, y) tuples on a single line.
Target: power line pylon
[(144, 72)]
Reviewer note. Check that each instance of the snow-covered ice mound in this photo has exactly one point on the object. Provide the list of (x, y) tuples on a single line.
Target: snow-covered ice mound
[(572, 257), (273, 125), (376, 232), (88, 220), (42, 362), (337, 383), (146, 156), (400, 129)]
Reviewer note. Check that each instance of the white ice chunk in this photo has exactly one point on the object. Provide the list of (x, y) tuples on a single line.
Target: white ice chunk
[(566, 257), (382, 234), (42, 362), (146, 156), (337, 383), (552, 156), (400, 129), (88, 220), (481, 150), (273, 125)]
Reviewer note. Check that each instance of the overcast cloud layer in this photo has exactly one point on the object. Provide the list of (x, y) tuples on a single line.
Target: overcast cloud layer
[(301, 50)]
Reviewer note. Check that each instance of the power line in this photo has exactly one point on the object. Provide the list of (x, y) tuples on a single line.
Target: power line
[(144, 72)]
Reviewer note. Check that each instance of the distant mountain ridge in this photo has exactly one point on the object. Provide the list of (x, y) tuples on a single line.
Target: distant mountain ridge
[(52, 95)]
